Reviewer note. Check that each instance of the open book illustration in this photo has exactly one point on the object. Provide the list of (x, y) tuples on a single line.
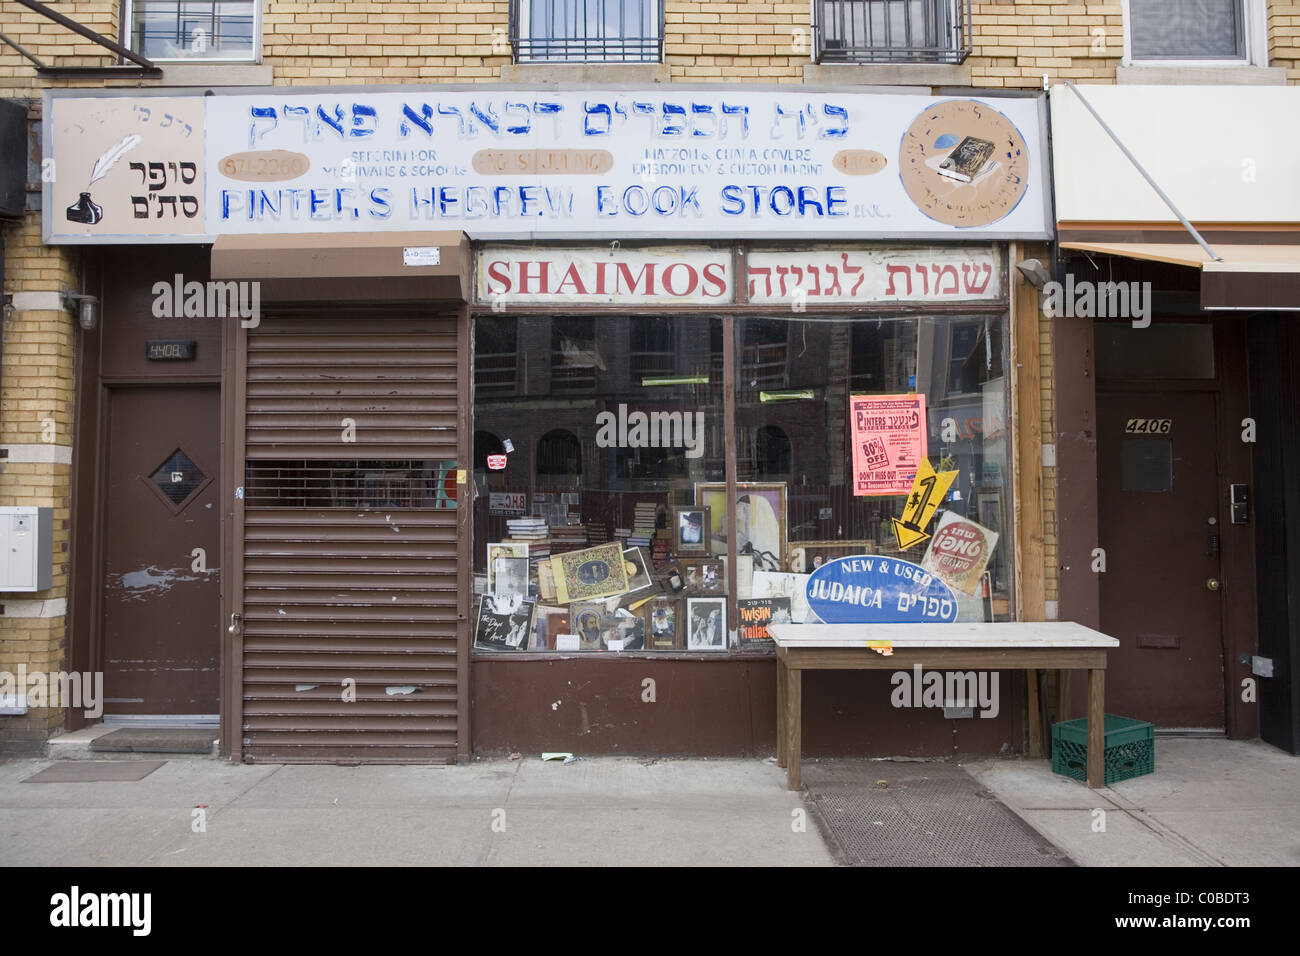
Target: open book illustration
[(968, 162)]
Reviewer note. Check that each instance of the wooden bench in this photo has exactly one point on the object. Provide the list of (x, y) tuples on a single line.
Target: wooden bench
[(937, 647)]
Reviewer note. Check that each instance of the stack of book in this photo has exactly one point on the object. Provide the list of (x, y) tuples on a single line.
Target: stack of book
[(567, 537), (526, 529), (659, 551), (539, 550), (622, 533), (643, 524)]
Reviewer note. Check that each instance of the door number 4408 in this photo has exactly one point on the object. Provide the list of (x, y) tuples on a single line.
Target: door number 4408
[(1149, 426)]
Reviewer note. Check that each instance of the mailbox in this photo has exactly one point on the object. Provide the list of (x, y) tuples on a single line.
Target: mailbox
[(26, 549)]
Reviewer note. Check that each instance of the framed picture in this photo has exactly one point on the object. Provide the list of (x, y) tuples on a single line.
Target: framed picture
[(706, 624), (705, 577), (510, 576), (690, 529), (623, 631), (587, 620), (503, 549), (662, 619), (639, 569), (760, 520), (504, 623), (675, 578)]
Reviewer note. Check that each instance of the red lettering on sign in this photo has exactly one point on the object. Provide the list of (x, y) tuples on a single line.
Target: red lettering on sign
[(574, 277), (500, 272)]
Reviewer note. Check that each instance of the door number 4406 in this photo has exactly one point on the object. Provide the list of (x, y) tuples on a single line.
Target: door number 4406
[(1149, 426)]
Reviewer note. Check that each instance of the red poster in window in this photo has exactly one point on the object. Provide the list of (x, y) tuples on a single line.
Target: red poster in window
[(496, 462), (888, 434)]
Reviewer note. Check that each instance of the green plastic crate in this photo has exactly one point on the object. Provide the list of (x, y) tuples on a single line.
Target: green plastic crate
[(1130, 749)]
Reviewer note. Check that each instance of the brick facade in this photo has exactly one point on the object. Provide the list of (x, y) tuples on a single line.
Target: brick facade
[(36, 403), (1015, 43)]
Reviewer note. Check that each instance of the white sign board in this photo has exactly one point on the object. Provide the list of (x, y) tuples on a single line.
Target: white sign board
[(868, 276), (691, 162), (1221, 153), (511, 275)]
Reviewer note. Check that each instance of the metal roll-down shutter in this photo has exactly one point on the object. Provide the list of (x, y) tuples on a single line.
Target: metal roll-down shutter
[(349, 543)]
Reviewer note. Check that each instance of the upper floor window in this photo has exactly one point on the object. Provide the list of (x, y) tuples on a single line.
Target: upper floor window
[(891, 31), (587, 31), (195, 29), (1198, 30)]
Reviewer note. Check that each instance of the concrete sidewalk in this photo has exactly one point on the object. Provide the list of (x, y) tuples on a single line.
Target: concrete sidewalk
[(1210, 803), (605, 811)]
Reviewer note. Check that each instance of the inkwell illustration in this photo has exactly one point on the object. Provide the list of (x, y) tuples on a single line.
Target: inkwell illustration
[(85, 210)]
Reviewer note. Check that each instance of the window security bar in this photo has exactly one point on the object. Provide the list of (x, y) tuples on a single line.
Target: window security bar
[(891, 31)]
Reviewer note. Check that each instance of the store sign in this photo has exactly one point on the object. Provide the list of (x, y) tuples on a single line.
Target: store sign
[(421, 256), (509, 276), (874, 276), (510, 504), (868, 589), (496, 462), (662, 162), (889, 437)]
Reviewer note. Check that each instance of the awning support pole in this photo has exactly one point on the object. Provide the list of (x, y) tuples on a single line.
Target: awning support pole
[(1147, 176)]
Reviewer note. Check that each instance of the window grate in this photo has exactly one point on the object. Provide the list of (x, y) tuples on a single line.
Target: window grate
[(302, 483), (178, 477), (194, 29), (587, 31), (891, 31)]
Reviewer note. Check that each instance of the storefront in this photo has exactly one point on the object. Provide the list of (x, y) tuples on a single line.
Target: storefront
[(1176, 457), (621, 432), (540, 404)]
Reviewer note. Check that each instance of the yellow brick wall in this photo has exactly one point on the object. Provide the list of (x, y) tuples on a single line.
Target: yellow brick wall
[(1015, 42), (712, 41), (53, 43), (36, 405), (1284, 38)]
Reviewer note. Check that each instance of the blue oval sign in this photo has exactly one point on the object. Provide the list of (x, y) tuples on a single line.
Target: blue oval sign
[(870, 589)]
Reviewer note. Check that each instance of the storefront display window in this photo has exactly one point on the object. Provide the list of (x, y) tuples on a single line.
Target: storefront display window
[(601, 513), (936, 387), (591, 435)]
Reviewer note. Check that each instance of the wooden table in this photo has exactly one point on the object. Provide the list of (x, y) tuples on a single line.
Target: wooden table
[(936, 647)]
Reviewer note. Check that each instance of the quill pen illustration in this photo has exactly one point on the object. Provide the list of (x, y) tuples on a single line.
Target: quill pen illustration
[(110, 158)]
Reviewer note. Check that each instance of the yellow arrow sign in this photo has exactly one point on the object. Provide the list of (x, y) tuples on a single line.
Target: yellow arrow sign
[(928, 489)]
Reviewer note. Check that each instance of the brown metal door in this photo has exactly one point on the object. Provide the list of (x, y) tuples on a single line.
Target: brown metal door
[(161, 599), (349, 592), (1160, 527)]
